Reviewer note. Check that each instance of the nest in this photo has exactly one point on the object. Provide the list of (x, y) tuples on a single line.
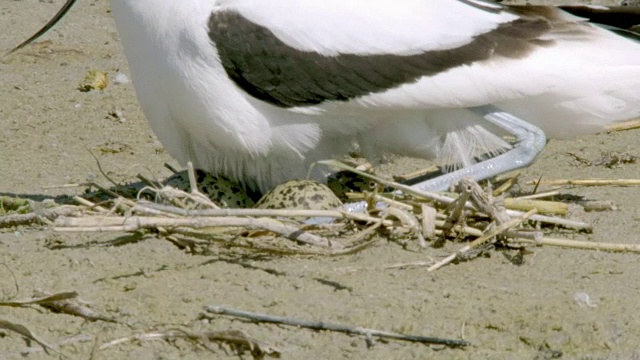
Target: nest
[(479, 218)]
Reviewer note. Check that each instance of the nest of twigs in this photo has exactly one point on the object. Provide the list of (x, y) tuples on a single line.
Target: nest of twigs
[(476, 216)]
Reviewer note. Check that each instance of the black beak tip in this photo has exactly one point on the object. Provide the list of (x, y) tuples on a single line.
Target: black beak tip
[(51, 23)]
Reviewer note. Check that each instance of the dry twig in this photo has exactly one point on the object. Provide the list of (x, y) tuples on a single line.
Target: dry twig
[(587, 182), (25, 332), (325, 326), (483, 239), (135, 223)]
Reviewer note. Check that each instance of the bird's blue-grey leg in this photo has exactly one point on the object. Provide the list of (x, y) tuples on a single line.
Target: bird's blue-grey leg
[(530, 140)]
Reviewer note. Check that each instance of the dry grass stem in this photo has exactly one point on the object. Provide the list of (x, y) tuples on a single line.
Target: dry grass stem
[(149, 208), (417, 174), (89, 204), (392, 202), (401, 266), (410, 221), (41, 299), (540, 195), (508, 181), (43, 216), (597, 205), (483, 239), (70, 306), (587, 182), (543, 207), (625, 125), (585, 245), (67, 341), (457, 208), (556, 221), (429, 216), (26, 333), (326, 326), (404, 188), (135, 223)]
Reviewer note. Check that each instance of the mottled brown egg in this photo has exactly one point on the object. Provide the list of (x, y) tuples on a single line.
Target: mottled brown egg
[(346, 181), (300, 194), (222, 191)]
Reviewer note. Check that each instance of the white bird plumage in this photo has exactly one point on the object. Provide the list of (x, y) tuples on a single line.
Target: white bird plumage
[(581, 80)]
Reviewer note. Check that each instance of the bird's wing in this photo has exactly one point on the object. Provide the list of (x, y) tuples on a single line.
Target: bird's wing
[(341, 56), (332, 27), (623, 17)]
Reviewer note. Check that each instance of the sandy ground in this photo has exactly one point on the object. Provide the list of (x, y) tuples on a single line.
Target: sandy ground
[(507, 311)]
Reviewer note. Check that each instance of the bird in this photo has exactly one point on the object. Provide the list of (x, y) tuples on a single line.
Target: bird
[(258, 91)]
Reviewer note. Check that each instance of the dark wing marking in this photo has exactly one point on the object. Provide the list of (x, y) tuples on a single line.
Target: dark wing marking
[(270, 70), (623, 17)]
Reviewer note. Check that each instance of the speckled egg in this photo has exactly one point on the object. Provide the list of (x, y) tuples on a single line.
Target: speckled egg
[(221, 190), (346, 181), (300, 194)]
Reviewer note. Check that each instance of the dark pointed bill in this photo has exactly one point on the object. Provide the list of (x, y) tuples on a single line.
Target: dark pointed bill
[(61, 13)]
